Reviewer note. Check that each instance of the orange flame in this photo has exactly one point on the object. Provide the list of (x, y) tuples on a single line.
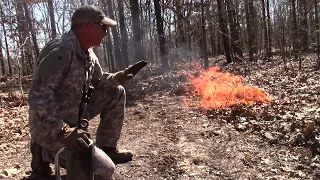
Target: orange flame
[(220, 89)]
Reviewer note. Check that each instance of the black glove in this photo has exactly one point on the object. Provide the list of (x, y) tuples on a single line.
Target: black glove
[(76, 140), (128, 73), (134, 69), (122, 77)]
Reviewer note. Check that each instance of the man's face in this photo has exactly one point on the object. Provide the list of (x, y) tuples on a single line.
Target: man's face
[(98, 32)]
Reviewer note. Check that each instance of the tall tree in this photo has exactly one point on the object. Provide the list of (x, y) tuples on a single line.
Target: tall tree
[(116, 41), (303, 25), (265, 30), (3, 70), (204, 47), (151, 37), (181, 42), (269, 44), (188, 30), (136, 30), (30, 29), (234, 29), (52, 19), (224, 31), (295, 42), (64, 15), (124, 34), (316, 14), (24, 41), (214, 33), (280, 27), (250, 30), (161, 35), (108, 44), (5, 39)]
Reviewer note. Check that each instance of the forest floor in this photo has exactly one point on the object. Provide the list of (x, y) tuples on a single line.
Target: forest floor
[(174, 137)]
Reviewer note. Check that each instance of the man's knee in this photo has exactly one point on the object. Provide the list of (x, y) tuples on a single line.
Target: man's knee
[(117, 93), (114, 92), (120, 90), (103, 165)]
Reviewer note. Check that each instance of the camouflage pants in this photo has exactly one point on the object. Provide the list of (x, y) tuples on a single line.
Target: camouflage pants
[(110, 104)]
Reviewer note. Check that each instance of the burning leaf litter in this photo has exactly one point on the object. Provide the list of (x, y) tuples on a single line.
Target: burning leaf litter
[(222, 89)]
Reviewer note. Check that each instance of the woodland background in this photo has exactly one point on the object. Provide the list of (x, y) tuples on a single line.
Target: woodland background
[(269, 44)]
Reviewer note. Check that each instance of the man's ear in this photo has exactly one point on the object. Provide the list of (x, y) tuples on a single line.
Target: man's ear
[(91, 25)]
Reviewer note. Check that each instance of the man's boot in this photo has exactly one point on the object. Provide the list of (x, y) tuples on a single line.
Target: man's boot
[(118, 156), (40, 169)]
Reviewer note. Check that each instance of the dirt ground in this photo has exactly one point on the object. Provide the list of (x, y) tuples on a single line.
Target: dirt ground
[(173, 141)]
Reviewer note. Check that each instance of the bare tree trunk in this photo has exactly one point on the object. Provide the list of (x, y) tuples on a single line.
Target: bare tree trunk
[(224, 31), (213, 40), (181, 39), (188, 33), (249, 18), (112, 67), (317, 29), (265, 30), (162, 40), (22, 36), (105, 53), (3, 69), (142, 27), (118, 55), (171, 54), (124, 34), (6, 43), (269, 50), (136, 30), (303, 25), (204, 47), (64, 15), (151, 40), (52, 20), (295, 30), (282, 31), (30, 29), (24, 42), (234, 29)]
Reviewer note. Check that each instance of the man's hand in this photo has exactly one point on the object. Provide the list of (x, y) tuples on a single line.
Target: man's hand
[(129, 72), (135, 68), (122, 77), (77, 140)]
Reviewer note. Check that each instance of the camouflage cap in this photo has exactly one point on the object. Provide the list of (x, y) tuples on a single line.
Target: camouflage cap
[(87, 13)]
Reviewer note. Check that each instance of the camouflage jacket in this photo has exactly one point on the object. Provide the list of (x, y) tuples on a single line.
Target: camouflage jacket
[(62, 68)]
